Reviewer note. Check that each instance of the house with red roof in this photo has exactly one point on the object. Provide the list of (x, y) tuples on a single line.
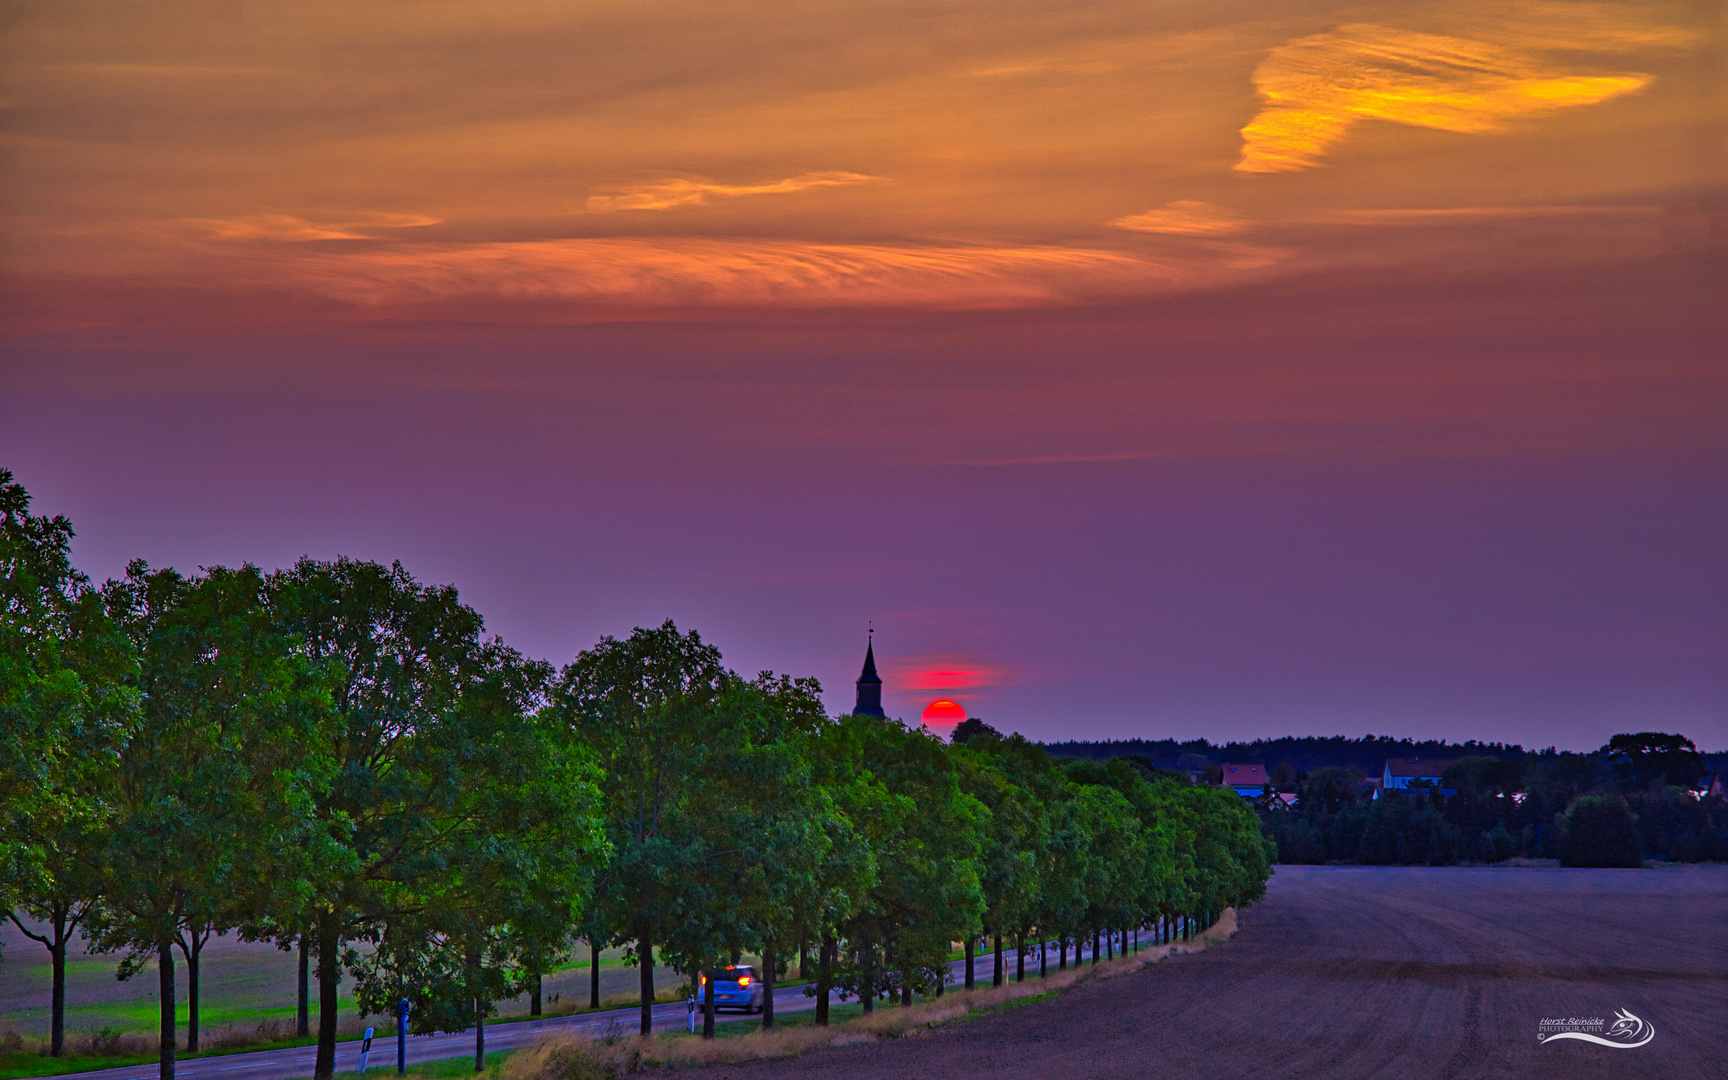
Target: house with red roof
[(1247, 781)]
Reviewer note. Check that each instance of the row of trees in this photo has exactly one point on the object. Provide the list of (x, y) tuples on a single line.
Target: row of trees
[(336, 758), (1633, 799)]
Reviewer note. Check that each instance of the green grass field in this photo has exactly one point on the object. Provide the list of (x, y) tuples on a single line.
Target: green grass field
[(247, 997)]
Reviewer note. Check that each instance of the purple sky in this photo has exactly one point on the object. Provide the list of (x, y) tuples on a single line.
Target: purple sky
[(1461, 522), (1203, 368)]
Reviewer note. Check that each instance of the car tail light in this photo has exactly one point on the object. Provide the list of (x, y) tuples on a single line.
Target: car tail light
[(743, 980)]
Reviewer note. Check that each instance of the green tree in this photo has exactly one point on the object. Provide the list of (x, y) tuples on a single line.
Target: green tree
[(645, 704), (65, 714), (211, 787), (765, 830), (1598, 830), (927, 837), (1012, 839), (1328, 790), (1651, 757), (399, 659), (1485, 777), (519, 836)]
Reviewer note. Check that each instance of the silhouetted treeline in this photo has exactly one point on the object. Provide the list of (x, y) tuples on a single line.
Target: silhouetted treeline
[(1305, 753), (1636, 798)]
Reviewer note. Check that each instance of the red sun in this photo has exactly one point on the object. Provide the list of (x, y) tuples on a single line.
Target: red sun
[(944, 712)]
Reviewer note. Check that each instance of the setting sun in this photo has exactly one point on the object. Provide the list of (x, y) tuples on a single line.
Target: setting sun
[(943, 711)]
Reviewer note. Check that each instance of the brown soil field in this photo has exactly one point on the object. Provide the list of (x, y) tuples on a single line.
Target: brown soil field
[(1345, 972)]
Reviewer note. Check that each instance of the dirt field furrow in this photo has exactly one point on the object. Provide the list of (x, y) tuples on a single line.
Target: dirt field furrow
[(1347, 973)]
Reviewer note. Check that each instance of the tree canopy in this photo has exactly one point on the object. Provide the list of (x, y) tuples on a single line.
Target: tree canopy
[(336, 754)]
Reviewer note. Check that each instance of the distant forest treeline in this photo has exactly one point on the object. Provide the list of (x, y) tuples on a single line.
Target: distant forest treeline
[(1305, 752), (1636, 798)]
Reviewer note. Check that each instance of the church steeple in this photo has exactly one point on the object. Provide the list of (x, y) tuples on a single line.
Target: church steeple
[(869, 684)]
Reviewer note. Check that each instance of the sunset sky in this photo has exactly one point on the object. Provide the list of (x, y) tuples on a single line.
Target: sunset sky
[(1152, 369)]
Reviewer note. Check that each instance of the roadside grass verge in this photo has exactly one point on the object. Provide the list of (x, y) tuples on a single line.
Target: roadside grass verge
[(27, 1055), (442, 1069), (565, 1057)]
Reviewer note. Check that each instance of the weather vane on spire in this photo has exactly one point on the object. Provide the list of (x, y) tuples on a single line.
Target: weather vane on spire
[(869, 683)]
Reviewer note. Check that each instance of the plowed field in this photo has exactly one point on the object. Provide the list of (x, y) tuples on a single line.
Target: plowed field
[(1375, 972)]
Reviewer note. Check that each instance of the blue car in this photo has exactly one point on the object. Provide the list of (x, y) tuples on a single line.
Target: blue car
[(734, 988)]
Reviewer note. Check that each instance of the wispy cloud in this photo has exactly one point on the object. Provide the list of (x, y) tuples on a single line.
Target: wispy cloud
[(683, 271), (1040, 459), (1421, 215), (1046, 67), (670, 194), (288, 227), (955, 675), (1184, 217), (1315, 87), (173, 71)]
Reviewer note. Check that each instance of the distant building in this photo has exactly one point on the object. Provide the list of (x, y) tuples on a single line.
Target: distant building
[(1713, 785), (1247, 781), (869, 685), (1420, 772)]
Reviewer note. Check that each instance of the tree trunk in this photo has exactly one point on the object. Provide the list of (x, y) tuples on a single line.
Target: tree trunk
[(1043, 953), (1062, 953), (593, 974), (824, 979), (62, 922), (867, 993), (1097, 940), (969, 979), (479, 1035), (905, 989), (1020, 957), (192, 1000), (534, 995), (191, 947), (768, 985), (165, 987), (645, 961), (998, 976), (57, 1006), (708, 1006), (302, 1019), (329, 972)]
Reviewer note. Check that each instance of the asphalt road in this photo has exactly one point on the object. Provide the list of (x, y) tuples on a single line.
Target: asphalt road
[(1374, 972)]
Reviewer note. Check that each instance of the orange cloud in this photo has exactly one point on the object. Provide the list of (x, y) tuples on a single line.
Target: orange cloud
[(670, 194), (689, 271), (1184, 217), (289, 227), (1420, 215), (1316, 87)]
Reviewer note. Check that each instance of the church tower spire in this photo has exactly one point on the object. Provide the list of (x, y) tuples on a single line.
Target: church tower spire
[(869, 684)]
